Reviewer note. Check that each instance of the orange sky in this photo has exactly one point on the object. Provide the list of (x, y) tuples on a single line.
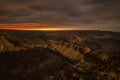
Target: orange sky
[(34, 26)]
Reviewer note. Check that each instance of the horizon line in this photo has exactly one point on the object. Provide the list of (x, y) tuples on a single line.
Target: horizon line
[(57, 30)]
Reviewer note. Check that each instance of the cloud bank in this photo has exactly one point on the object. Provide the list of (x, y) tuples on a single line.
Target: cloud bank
[(73, 13)]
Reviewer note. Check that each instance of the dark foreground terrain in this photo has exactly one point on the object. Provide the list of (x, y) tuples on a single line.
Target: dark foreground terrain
[(59, 55)]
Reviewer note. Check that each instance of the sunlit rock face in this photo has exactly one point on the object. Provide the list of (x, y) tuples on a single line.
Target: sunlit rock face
[(5, 45), (9, 42)]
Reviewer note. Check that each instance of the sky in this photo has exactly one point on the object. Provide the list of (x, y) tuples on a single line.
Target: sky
[(60, 15)]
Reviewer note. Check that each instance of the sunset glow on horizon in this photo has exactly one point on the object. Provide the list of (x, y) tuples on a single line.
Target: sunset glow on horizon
[(33, 26), (37, 29)]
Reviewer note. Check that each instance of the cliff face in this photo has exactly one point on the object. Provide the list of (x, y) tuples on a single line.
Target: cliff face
[(8, 41), (70, 50), (5, 45)]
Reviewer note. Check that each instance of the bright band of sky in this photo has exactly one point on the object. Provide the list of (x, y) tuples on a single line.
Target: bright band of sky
[(34, 26)]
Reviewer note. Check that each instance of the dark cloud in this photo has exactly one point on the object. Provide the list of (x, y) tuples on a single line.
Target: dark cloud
[(61, 12)]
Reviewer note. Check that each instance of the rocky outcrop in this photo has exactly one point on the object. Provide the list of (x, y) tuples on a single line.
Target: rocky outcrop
[(70, 50), (9, 42), (5, 45)]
